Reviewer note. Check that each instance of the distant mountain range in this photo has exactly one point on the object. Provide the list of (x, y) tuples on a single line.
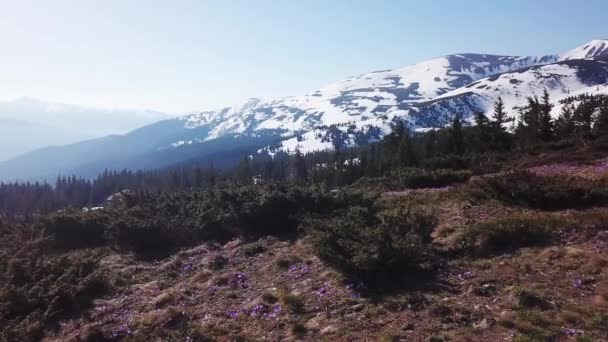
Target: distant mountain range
[(347, 113), (27, 124)]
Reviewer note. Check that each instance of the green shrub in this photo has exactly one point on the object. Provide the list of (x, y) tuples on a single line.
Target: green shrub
[(40, 289), (368, 242), (529, 299), (414, 178), (507, 234), (72, 230), (554, 192), (419, 178)]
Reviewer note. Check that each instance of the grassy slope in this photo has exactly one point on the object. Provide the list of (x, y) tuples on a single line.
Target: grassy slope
[(280, 290)]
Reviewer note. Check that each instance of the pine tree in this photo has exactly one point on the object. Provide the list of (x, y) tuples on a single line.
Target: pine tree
[(298, 172), (456, 136), (243, 175), (430, 143), (600, 126), (564, 125), (527, 131), (499, 116), (482, 132), (583, 120), (405, 151), (545, 123), (499, 138)]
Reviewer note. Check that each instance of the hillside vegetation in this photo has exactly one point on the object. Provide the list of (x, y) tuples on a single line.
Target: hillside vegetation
[(405, 240)]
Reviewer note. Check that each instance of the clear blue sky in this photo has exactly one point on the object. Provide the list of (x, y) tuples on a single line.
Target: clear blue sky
[(187, 55)]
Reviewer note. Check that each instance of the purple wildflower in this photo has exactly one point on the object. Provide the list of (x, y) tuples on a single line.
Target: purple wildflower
[(324, 290), (240, 280), (467, 275), (258, 310), (122, 331), (233, 314), (298, 271), (276, 310), (571, 332)]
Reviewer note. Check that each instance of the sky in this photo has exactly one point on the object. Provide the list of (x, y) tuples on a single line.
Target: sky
[(181, 56)]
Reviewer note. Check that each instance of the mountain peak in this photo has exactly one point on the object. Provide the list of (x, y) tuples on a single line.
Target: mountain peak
[(595, 48)]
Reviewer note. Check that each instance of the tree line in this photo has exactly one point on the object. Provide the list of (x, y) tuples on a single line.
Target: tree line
[(470, 143)]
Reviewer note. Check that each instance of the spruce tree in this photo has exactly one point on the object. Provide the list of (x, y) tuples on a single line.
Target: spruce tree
[(298, 172), (456, 136), (545, 123), (499, 139), (482, 132), (600, 126), (564, 125)]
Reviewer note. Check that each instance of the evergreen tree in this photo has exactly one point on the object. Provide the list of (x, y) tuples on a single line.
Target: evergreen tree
[(298, 172), (456, 136), (583, 120), (482, 132), (405, 151), (564, 125), (545, 123), (527, 131), (600, 126), (242, 173), (499, 116), (500, 139), (430, 143)]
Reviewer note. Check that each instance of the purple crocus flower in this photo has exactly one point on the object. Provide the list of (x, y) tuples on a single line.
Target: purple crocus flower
[(233, 314)]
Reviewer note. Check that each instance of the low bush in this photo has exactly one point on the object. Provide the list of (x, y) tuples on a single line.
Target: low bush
[(37, 289), (156, 226), (71, 230), (508, 234), (369, 242), (414, 178), (419, 178), (477, 163), (547, 192)]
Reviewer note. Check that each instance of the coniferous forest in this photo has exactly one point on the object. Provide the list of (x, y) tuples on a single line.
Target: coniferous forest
[(478, 145)]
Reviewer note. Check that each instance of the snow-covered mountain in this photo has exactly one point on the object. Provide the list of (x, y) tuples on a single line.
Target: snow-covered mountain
[(27, 124), (351, 112), (424, 95), (560, 79), (594, 48)]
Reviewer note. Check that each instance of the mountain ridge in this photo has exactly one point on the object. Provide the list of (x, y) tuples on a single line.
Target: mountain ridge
[(346, 113)]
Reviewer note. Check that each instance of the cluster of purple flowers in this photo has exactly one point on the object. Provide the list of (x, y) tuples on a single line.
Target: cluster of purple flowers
[(259, 310), (187, 269), (324, 290), (122, 331), (240, 280), (233, 314), (581, 282), (467, 275), (298, 271), (572, 332)]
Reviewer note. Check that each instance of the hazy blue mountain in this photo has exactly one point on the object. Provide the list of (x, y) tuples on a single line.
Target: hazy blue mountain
[(27, 124)]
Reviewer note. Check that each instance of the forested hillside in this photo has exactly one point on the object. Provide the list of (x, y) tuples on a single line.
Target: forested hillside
[(494, 230)]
